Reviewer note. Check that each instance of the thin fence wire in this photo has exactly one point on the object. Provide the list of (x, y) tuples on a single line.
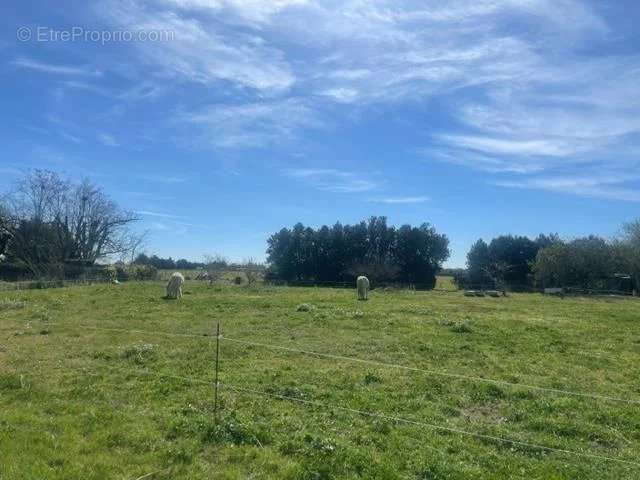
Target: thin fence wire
[(427, 425), (569, 291), (370, 414), (46, 284), (556, 391), (434, 372)]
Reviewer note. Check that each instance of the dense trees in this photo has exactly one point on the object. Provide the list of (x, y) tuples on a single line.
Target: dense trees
[(50, 224), (341, 252), (6, 230), (588, 262), (629, 250), (479, 264), (506, 261), (585, 263), (47, 220), (166, 263)]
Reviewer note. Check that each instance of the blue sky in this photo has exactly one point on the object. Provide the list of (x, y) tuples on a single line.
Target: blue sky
[(221, 121)]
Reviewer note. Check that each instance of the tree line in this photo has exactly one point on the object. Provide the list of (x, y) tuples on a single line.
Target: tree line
[(548, 261), (50, 226), (53, 227), (167, 263), (506, 260), (340, 253)]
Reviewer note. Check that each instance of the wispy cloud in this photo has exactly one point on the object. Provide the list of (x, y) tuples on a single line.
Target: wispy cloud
[(517, 90), (108, 140), (254, 124), (70, 137), (203, 52), (401, 200), (479, 161), (258, 11), (341, 94), (159, 178), (511, 146), (610, 187), (56, 69), (562, 117), (332, 180), (148, 213)]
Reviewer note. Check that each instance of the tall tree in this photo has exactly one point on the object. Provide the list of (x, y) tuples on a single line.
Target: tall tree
[(631, 251), (58, 221), (339, 253), (7, 228), (589, 262), (479, 264), (506, 260)]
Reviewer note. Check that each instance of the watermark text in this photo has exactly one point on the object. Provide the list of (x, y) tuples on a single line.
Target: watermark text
[(82, 34)]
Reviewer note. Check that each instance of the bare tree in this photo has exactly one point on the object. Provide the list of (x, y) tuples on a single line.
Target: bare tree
[(57, 221), (137, 244), (252, 270), (7, 228), (95, 225), (41, 196), (215, 265)]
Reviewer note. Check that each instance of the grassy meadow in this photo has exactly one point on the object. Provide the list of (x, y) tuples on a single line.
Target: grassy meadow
[(95, 385)]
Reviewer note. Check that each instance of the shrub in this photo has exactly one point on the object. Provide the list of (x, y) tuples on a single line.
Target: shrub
[(111, 273), (143, 272), (9, 304), (461, 327), (460, 280), (139, 352), (122, 273)]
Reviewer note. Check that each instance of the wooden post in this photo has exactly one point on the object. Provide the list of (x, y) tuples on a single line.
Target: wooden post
[(215, 391)]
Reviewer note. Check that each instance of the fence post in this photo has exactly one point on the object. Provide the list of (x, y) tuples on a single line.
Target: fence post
[(215, 391)]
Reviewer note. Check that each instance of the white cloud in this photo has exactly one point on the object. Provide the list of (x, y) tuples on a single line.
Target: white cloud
[(511, 146), (198, 51), (604, 186), (160, 178), (332, 180), (526, 92), (253, 124), (485, 163), (159, 226), (36, 65), (148, 213), (343, 95), (401, 200), (251, 10), (70, 137), (108, 140), (568, 116)]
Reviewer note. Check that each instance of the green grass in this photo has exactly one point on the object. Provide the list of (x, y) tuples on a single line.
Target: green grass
[(82, 403), (445, 283)]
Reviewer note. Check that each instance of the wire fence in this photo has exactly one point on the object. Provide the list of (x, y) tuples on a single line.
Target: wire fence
[(375, 363), (568, 291), (247, 390), (430, 426), (46, 284), (244, 390)]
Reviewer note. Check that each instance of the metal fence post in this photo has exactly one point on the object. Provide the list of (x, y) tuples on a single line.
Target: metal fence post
[(215, 391)]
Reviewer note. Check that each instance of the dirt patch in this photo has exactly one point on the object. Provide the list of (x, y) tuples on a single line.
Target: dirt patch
[(487, 413)]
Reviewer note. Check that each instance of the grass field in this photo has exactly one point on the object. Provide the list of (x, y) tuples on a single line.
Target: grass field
[(94, 386)]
